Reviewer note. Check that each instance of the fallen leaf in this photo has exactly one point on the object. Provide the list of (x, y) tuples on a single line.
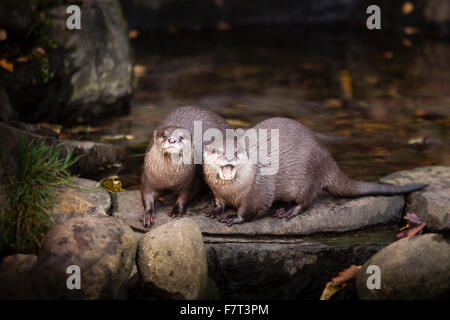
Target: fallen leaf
[(346, 275), (411, 30), (340, 281), (139, 70), (223, 26), (413, 227), (22, 59), (407, 43), (38, 51), (133, 34), (388, 55), (3, 35), (6, 65), (346, 84), (407, 8), (420, 112), (418, 140), (333, 103), (112, 184), (238, 123), (329, 291)]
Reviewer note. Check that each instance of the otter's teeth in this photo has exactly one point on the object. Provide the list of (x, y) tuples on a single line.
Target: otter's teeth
[(227, 172)]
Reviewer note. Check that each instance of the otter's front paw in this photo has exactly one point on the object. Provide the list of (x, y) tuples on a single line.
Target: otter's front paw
[(230, 220), (175, 212), (147, 218)]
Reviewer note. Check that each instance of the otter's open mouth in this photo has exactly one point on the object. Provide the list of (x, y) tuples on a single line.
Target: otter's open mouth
[(172, 149), (227, 172)]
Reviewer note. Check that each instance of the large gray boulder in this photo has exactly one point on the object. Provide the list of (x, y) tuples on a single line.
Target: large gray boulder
[(79, 75), (411, 268), (102, 247), (172, 262), (99, 56), (433, 203)]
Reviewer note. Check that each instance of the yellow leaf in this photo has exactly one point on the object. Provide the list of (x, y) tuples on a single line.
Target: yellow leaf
[(238, 123), (6, 65), (112, 185), (418, 140), (330, 290)]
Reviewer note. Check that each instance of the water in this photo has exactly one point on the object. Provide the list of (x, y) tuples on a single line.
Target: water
[(373, 97)]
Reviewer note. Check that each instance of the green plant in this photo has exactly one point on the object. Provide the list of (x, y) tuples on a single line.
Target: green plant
[(26, 215)]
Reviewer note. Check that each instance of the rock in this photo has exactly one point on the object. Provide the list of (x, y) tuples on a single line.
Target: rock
[(94, 155), (431, 204), (72, 202), (411, 268), (127, 206), (99, 60), (103, 247), (327, 214), (18, 263), (83, 74), (172, 263), (285, 267), (17, 280), (16, 16)]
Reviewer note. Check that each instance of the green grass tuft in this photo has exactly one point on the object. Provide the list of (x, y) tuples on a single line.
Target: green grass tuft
[(26, 215)]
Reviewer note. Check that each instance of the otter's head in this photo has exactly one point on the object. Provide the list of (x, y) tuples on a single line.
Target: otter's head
[(173, 141), (226, 166)]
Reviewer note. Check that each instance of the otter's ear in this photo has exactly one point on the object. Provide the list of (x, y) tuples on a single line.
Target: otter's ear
[(155, 134)]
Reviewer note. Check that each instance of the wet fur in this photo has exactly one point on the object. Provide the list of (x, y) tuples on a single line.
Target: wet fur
[(305, 169), (161, 175)]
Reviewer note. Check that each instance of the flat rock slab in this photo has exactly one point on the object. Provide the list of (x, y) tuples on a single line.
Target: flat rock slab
[(84, 199), (327, 214), (433, 203)]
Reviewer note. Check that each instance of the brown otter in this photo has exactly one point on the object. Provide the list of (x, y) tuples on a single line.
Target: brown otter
[(305, 168), (169, 159)]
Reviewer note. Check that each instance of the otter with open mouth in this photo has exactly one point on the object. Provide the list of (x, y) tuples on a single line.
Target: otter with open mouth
[(305, 168), (169, 160)]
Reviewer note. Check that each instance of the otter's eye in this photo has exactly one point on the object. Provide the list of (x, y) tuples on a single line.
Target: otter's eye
[(181, 138), (213, 150), (163, 135)]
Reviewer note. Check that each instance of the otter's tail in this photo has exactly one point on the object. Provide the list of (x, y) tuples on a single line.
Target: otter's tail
[(341, 185)]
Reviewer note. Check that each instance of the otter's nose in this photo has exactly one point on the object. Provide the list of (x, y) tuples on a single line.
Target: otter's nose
[(172, 140), (229, 157)]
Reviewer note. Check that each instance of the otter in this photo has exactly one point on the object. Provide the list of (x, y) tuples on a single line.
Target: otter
[(169, 160), (305, 168)]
